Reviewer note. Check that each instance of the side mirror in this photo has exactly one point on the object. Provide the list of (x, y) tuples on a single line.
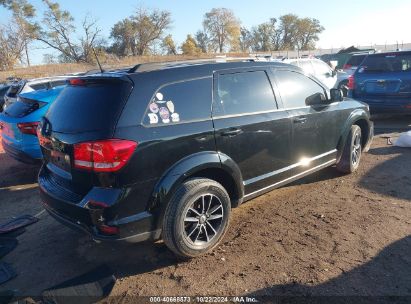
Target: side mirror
[(315, 99), (336, 95)]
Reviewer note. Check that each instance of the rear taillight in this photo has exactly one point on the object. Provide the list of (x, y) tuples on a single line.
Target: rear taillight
[(103, 156), (347, 66), (351, 82), (28, 127)]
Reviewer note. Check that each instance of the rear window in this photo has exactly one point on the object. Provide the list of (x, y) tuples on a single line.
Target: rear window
[(395, 62), (356, 60), (92, 107), (23, 107), (39, 86)]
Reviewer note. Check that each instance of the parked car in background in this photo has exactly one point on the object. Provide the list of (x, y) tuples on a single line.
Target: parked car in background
[(166, 150), (3, 90), (25, 86), (318, 68), (19, 122), (349, 68), (342, 57), (383, 81)]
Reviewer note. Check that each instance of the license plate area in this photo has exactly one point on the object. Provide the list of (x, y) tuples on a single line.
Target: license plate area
[(58, 159)]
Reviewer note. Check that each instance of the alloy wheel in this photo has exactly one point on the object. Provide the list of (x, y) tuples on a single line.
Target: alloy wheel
[(203, 219), (356, 151)]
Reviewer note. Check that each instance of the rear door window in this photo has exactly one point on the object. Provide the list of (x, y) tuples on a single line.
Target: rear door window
[(180, 102), (307, 67), (295, 88), (244, 92), (385, 63), (321, 68)]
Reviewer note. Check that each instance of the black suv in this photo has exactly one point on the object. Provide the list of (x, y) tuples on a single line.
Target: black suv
[(166, 150)]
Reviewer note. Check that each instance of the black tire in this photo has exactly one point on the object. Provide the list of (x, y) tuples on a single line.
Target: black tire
[(351, 155), (181, 224)]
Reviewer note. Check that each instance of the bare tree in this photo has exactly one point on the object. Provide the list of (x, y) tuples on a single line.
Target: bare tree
[(23, 17), (12, 45), (58, 33), (223, 27)]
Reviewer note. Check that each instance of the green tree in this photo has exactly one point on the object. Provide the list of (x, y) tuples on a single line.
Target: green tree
[(203, 41), (168, 45), (139, 33), (289, 30), (189, 46), (223, 28), (123, 34), (245, 40), (308, 30)]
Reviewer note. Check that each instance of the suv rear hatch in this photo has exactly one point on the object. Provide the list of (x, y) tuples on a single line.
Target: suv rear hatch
[(384, 78), (86, 111)]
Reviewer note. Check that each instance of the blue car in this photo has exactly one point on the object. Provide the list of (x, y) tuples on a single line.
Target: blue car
[(19, 122), (383, 81)]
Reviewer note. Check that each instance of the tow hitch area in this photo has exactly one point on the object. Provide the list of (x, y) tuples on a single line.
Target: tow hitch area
[(96, 210)]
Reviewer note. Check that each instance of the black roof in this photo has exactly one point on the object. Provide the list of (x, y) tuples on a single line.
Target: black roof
[(193, 68), (205, 64)]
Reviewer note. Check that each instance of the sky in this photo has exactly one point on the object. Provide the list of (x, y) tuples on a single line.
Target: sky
[(346, 22)]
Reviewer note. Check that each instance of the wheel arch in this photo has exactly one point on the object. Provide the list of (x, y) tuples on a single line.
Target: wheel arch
[(210, 164), (360, 118)]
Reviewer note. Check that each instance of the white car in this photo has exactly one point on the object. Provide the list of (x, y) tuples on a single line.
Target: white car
[(24, 86), (318, 68)]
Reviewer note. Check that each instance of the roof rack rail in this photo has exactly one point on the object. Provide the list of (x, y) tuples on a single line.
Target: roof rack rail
[(149, 66)]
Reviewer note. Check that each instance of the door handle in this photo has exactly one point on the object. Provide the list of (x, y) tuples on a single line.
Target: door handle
[(231, 132), (300, 120)]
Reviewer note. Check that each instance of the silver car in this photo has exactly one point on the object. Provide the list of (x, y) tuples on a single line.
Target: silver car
[(24, 86)]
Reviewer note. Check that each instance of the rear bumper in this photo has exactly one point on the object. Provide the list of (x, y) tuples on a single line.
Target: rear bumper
[(77, 215), (19, 155), (384, 106)]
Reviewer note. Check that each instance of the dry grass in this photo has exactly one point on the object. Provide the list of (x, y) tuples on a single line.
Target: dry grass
[(65, 68)]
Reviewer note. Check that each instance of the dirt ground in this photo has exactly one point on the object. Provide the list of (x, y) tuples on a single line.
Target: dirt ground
[(328, 234)]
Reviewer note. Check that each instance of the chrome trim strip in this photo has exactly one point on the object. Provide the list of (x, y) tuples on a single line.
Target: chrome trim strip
[(267, 175), (248, 114), (291, 177)]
